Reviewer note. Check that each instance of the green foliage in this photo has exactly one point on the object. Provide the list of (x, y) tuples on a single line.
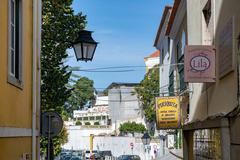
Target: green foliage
[(131, 127), (96, 123), (105, 92), (82, 93), (78, 123), (147, 91), (59, 29), (87, 123)]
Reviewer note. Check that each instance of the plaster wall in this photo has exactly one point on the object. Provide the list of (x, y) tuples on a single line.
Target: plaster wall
[(80, 140), (15, 103), (162, 45), (123, 105), (220, 97)]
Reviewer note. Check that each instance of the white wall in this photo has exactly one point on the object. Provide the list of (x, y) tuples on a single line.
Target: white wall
[(79, 139), (162, 44)]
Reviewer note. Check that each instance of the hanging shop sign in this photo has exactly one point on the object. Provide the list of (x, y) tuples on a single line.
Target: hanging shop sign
[(167, 112), (199, 64)]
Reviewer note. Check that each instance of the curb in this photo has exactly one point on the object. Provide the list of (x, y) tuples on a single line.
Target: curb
[(176, 155)]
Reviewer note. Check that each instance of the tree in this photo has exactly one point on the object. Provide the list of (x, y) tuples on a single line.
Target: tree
[(59, 28), (87, 123), (96, 123), (78, 123), (147, 91), (131, 127), (82, 93)]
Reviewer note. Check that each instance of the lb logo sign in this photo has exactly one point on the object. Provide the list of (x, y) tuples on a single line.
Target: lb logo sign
[(167, 112), (199, 64)]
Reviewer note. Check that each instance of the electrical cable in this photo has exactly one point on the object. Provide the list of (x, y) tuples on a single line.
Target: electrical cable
[(104, 69), (116, 71)]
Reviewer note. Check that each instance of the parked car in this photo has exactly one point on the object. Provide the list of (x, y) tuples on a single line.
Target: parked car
[(67, 157), (129, 157), (76, 158)]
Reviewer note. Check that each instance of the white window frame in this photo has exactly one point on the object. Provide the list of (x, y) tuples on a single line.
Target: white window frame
[(12, 77)]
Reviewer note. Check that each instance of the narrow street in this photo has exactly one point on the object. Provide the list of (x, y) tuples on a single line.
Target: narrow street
[(120, 80)]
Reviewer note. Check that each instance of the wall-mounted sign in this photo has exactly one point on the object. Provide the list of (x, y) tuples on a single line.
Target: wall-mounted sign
[(167, 112), (199, 64)]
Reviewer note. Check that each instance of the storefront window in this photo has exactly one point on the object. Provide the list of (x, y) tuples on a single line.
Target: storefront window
[(207, 144)]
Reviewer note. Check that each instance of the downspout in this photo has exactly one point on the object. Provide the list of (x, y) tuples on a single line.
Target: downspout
[(34, 66), (39, 72)]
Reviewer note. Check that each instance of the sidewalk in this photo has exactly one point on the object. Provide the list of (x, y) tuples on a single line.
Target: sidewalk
[(177, 153), (173, 154)]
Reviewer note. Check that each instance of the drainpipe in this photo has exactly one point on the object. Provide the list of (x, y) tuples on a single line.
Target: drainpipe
[(34, 69), (39, 72)]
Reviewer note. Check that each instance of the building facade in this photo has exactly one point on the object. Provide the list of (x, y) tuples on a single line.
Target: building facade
[(209, 110), (152, 60), (163, 43), (98, 115), (19, 81), (124, 106), (213, 106)]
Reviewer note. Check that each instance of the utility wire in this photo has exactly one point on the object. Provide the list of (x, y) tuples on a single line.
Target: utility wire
[(114, 71), (104, 69), (113, 67)]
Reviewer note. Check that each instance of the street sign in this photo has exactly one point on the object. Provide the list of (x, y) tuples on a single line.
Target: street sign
[(52, 124)]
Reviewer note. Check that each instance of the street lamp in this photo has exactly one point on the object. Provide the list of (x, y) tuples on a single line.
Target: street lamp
[(84, 46), (163, 137), (146, 139)]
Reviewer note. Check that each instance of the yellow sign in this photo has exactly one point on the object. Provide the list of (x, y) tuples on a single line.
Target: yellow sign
[(167, 112)]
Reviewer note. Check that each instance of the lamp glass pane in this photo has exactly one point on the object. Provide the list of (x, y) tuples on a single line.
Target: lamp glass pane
[(78, 50), (88, 50), (148, 141), (144, 141)]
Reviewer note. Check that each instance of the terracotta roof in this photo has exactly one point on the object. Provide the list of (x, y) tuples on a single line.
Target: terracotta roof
[(155, 54), (166, 9), (172, 16)]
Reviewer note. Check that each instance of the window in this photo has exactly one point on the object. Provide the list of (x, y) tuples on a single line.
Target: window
[(103, 117), (98, 118), (207, 24), (180, 55), (207, 12), (171, 84), (162, 56), (85, 118), (168, 45), (14, 55)]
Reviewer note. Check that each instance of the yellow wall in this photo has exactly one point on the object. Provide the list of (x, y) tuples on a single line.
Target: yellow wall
[(13, 148), (15, 103)]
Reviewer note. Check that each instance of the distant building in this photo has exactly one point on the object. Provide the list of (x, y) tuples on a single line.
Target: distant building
[(97, 115), (152, 60), (124, 104)]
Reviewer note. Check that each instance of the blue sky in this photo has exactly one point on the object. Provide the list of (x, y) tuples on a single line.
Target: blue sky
[(125, 30)]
